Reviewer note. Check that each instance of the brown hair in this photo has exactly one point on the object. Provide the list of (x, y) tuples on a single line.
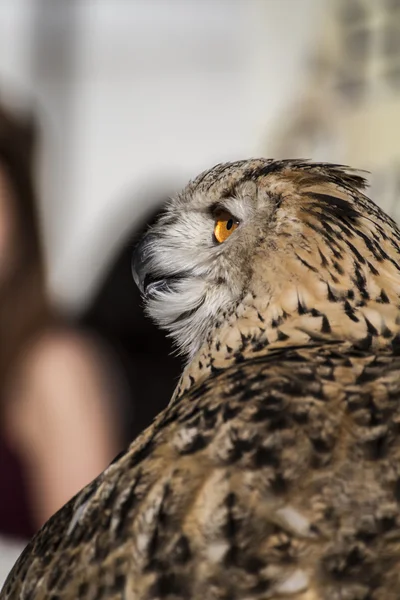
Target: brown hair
[(24, 308)]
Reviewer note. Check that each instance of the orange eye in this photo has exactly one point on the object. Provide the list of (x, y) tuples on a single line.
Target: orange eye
[(225, 224)]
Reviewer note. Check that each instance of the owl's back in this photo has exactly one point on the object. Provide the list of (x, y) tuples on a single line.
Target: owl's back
[(277, 477)]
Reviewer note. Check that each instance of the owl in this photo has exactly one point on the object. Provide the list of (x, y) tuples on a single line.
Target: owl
[(274, 472)]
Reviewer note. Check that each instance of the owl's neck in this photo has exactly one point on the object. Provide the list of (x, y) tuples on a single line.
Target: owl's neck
[(256, 328)]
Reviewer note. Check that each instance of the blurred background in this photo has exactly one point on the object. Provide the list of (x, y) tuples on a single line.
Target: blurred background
[(131, 98), (135, 97)]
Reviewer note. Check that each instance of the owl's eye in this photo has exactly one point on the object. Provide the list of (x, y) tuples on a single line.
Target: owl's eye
[(225, 224)]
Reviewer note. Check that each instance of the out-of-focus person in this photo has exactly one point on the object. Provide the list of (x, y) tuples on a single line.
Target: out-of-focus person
[(115, 315), (59, 427)]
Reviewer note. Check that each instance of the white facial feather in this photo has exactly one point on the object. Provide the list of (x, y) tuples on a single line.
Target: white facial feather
[(185, 250), (187, 308)]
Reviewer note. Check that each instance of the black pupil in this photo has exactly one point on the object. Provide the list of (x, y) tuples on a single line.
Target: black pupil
[(229, 224)]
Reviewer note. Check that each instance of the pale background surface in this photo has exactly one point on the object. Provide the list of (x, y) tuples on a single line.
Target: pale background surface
[(138, 96), (9, 552)]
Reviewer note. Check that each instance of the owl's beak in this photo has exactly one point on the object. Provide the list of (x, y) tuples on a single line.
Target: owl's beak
[(139, 260), (146, 281)]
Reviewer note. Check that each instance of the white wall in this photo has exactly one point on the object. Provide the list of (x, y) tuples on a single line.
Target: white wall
[(152, 92)]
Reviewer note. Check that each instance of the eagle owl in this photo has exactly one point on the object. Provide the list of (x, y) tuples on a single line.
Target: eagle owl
[(275, 470)]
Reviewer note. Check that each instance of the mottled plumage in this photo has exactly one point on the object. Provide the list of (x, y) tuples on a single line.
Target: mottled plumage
[(275, 470)]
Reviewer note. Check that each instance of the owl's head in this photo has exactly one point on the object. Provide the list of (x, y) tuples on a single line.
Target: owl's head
[(286, 237)]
